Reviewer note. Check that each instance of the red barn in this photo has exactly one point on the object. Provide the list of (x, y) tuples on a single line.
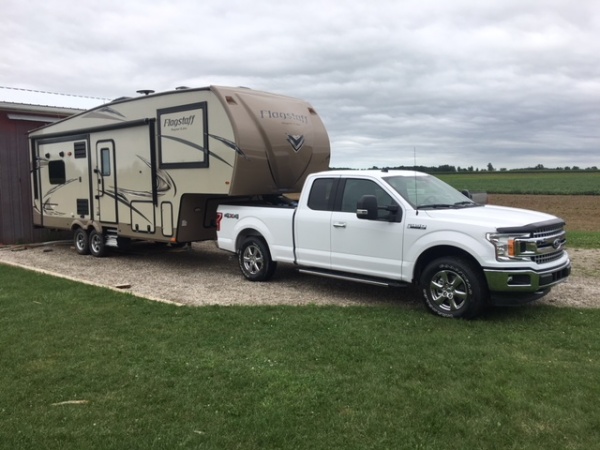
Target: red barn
[(20, 112)]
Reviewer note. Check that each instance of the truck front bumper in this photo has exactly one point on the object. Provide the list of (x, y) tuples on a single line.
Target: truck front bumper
[(517, 286)]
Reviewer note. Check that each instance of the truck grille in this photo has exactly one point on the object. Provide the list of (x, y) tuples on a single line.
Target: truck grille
[(544, 243), (544, 232), (543, 259)]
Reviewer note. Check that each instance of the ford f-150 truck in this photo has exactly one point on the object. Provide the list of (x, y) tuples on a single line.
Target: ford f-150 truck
[(397, 228)]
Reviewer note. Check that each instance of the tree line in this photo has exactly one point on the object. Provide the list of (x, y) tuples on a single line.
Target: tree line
[(447, 168)]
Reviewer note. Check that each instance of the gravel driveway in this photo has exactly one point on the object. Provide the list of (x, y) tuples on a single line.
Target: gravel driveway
[(204, 275)]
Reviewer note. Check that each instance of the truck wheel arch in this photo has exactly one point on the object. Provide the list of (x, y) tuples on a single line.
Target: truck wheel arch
[(438, 252), (245, 234)]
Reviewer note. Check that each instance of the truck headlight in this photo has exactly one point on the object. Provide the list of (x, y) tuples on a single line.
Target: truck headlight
[(508, 246)]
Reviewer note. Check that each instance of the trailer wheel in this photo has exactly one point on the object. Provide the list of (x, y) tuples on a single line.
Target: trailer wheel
[(453, 287), (255, 260), (81, 241), (97, 245)]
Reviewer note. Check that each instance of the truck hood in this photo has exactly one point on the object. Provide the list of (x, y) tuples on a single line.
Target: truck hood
[(490, 216)]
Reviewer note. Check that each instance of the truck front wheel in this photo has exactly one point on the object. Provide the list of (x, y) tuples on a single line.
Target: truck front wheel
[(255, 260), (453, 287)]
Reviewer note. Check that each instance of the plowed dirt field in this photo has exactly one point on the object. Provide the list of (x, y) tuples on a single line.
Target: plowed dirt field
[(581, 212)]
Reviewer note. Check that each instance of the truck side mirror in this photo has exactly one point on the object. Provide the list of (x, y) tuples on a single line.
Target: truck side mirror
[(366, 207)]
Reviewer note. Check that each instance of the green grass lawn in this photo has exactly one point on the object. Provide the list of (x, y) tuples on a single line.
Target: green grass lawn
[(148, 375), (583, 239), (560, 182)]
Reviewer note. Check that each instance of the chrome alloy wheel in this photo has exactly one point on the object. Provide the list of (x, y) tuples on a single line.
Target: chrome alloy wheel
[(253, 259), (448, 290)]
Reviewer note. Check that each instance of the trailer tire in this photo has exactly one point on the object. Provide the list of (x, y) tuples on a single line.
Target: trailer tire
[(97, 244), (255, 260), (81, 240), (453, 287)]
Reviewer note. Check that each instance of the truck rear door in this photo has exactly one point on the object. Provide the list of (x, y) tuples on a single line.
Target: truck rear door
[(312, 225)]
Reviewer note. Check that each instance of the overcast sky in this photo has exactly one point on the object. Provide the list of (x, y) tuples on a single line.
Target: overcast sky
[(514, 83)]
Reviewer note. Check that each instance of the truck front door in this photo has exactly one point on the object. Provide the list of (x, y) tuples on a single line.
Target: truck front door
[(367, 247)]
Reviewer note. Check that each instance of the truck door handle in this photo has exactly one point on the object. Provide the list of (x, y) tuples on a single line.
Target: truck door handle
[(339, 225)]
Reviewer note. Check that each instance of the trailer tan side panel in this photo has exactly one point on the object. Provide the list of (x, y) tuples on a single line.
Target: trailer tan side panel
[(61, 181), (280, 139)]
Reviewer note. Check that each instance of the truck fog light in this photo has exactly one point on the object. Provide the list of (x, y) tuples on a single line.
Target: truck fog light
[(519, 280)]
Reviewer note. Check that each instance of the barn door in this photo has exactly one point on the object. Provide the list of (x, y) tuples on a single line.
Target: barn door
[(106, 188)]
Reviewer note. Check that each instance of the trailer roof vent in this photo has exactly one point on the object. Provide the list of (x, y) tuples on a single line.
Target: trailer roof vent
[(230, 100), (145, 91), (181, 88)]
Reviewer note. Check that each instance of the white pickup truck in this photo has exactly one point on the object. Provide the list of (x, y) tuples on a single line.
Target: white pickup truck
[(395, 228)]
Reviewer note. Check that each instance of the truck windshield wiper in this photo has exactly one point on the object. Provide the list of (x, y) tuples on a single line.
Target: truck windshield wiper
[(435, 206), (465, 204)]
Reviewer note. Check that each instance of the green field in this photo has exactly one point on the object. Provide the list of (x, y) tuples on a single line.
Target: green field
[(559, 182), (89, 368)]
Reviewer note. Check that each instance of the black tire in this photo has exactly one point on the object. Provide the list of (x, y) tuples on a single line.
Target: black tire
[(454, 287), (97, 244), (81, 240), (255, 260)]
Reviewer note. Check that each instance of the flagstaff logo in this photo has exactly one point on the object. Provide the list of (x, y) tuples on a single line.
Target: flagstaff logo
[(296, 141), (280, 115), (173, 123)]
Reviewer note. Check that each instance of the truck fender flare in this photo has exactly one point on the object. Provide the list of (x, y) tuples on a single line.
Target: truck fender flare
[(445, 243), (251, 227)]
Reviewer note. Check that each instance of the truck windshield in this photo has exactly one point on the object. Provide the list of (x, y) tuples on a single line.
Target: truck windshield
[(428, 192)]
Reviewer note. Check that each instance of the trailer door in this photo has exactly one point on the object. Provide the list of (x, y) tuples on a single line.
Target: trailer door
[(106, 187)]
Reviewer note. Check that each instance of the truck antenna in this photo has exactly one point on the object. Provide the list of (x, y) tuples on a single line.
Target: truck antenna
[(415, 180)]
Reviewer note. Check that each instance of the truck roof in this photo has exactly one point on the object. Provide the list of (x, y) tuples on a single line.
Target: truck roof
[(373, 173)]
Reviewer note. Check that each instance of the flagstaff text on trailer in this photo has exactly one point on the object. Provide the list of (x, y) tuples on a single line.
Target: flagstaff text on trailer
[(266, 114), (189, 120)]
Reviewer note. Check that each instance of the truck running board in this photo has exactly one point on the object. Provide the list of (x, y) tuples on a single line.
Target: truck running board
[(358, 278)]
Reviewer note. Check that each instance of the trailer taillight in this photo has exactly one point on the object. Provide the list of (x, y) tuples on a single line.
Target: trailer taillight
[(219, 218)]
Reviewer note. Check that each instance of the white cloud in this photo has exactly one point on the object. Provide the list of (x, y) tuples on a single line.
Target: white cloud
[(463, 82)]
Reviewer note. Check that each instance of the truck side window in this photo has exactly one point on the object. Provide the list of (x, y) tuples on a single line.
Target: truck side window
[(320, 194), (356, 188)]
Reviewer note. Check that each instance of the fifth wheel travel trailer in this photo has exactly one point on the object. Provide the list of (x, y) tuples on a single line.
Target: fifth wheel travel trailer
[(155, 167)]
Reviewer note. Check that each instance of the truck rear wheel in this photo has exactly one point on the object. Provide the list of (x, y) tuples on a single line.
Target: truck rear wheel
[(81, 241), (453, 287), (255, 260), (97, 245)]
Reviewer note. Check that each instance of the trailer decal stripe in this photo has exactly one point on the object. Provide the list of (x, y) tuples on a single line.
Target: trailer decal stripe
[(229, 144)]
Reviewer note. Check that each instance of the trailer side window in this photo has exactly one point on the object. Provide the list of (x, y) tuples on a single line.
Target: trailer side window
[(105, 162), (56, 172)]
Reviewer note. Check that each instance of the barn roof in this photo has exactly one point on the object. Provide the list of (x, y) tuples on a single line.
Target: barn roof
[(42, 101)]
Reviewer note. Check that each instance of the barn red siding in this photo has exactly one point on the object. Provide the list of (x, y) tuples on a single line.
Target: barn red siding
[(16, 222)]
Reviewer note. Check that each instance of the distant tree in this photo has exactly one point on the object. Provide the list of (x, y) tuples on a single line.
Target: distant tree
[(576, 168), (539, 167), (490, 168), (502, 169), (470, 169)]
